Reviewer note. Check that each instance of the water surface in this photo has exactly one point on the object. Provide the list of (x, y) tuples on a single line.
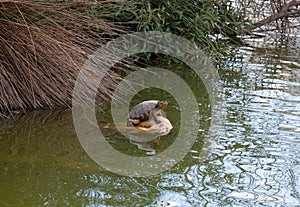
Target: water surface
[(256, 161)]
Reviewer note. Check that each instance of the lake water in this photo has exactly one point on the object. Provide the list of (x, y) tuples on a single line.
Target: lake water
[(255, 162)]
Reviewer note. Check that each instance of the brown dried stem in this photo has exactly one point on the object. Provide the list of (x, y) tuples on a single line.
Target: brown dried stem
[(42, 48)]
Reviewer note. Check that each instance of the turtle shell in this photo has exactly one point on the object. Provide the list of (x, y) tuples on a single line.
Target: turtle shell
[(142, 111)]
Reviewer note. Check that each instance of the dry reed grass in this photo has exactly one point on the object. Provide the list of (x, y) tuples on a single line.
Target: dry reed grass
[(42, 48)]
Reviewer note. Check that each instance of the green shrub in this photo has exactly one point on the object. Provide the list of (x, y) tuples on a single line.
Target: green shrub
[(210, 24)]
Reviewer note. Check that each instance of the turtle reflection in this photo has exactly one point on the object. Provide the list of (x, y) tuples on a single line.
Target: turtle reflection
[(144, 137)]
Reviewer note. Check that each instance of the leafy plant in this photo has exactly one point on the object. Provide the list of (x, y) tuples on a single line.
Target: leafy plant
[(210, 24)]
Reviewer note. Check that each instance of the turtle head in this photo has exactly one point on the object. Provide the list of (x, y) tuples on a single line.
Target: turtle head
[(162, 104)]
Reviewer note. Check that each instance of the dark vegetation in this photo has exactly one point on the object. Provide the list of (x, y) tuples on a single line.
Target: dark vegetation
[(43, 44), (209, 23)]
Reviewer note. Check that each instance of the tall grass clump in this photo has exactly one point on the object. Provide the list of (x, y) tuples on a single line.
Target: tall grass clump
[(43, 45)]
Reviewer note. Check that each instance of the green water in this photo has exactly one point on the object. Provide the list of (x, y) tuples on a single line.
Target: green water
[(256, 160)]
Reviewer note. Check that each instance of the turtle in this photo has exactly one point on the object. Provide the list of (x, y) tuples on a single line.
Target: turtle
[(145, 111)]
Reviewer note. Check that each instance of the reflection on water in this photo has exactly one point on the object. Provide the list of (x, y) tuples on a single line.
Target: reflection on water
[(256, 161), (142, 137), (260, 150)]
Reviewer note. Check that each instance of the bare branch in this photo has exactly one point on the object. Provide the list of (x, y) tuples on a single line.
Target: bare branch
[(283, 12)]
